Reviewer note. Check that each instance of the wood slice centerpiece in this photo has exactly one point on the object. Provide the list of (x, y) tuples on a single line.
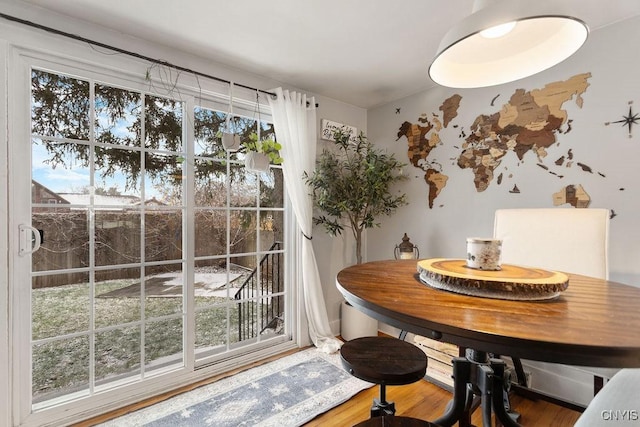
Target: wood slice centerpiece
[(512, 282)]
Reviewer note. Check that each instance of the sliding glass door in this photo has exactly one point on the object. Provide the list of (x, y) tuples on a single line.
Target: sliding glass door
[(111, 242), (238, 241), (155, 251)]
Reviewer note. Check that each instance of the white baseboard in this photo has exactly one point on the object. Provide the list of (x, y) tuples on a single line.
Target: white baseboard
[(335, 327), (562, 381), (389, 330)]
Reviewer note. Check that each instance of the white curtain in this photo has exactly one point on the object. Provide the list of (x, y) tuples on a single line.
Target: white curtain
[(295, 126)]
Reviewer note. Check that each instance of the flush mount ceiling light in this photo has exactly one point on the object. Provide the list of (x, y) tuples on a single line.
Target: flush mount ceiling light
[(503, 41)]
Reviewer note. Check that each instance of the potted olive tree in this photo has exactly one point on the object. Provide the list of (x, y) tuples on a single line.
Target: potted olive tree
[(352, 186)]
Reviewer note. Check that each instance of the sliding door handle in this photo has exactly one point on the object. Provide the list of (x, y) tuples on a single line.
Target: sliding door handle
[(30, 239)]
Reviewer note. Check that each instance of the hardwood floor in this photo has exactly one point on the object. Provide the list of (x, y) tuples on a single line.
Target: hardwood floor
[(419, 400), (426, 401)]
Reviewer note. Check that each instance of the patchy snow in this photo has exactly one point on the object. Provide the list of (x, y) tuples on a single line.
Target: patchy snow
[(206, 284)]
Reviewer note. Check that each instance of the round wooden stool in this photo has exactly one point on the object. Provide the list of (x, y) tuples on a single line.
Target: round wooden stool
[(384, 361), (393, 421)]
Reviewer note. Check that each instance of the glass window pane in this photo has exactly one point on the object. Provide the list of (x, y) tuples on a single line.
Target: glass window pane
[(59, 169), (246, 267), (117, 116), (267, 279), (243, 126), (246, 313), (60, 367), (59, 305), (211, 328), (117, 237), (272, 316), (163, 290), (117, 354), (163, 343), (243, 187), (243, 231), (259, 317), (163, 124), (210, 232), (210, 183), (59, 106), (65, 240), (117, 177), (163, 179), (260, 306), (271, 230), (208, 126), (215, 284), (272, 189), (163, 235), (117, 296), (267, 130)]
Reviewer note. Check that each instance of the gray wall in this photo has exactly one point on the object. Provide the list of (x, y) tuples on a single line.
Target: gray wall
[(460, 211)]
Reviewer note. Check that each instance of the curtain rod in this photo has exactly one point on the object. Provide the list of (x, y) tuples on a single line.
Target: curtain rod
[(127, 52)]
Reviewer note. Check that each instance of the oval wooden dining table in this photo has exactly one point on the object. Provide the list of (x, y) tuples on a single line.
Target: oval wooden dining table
[(594, 322)]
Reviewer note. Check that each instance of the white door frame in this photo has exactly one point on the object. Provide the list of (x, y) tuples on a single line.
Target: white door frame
[(20, 266), (15, 391), (5, 362)]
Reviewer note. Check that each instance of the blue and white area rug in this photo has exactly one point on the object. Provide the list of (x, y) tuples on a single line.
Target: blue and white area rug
[(286, 392)]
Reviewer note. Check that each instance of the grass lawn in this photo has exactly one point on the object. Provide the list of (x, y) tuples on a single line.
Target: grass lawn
[(63, 365)]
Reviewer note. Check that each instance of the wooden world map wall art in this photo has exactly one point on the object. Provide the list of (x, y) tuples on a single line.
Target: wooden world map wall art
[(629, 120), (529, 121)]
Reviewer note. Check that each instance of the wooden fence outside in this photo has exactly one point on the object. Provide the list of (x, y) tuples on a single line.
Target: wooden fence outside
[(117, 241)]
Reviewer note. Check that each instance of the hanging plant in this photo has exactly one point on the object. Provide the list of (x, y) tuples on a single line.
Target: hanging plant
[(261, 153)]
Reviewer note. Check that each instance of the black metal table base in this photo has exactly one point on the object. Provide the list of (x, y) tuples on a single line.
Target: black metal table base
[(477, 376)]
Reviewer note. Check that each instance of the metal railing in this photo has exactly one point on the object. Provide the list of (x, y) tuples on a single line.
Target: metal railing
[(260, 298)]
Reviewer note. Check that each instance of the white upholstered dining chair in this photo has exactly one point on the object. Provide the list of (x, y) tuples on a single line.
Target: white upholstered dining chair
[(569, 240)]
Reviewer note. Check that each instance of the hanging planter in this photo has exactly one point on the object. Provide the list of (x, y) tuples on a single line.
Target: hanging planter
[(261, 153), (256, 162), (230, 139)]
